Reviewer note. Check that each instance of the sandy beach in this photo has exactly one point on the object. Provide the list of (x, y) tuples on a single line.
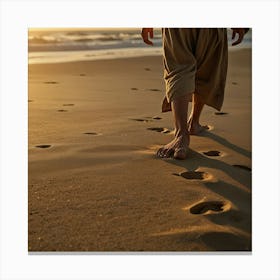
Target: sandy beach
[(94, 182)]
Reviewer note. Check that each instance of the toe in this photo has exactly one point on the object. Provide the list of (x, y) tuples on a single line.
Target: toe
[(164, 153), (160, 152)]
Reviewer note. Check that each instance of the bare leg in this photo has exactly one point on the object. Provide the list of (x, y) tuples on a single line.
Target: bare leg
[(179, 146), (194, 126)]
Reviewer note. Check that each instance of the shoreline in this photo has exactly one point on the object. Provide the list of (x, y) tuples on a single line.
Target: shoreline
[(50, 57)]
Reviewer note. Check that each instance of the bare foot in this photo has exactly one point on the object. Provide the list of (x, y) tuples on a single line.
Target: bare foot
[(177, 148), (195, 129)]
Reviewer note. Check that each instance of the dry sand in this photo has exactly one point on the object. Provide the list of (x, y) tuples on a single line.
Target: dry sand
[(94, 181)]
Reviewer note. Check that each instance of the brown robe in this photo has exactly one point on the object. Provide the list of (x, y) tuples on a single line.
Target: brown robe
[(195, 61)]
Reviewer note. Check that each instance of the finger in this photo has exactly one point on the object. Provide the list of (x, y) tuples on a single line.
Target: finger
[(240, 39), (146, 40), (151, 33), (145, 36)]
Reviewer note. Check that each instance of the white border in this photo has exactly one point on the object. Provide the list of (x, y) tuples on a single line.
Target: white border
[(17, 16)]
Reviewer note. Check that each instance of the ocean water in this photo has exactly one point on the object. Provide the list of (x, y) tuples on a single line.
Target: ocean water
[(65, 45)]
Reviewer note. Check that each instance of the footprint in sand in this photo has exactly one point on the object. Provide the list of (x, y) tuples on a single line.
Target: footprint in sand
[(134, 88), (221, 113), (211, 206), (30, 100), (194, 175), (154, 89), (242, 167), (147, 69), (154, 118), (234, 83), (69, 104), (43, 146), (212, 153), (147, 119), (91, 133), (159, 129), (142, 120), (62, 110), (51, 82), (82, 75)]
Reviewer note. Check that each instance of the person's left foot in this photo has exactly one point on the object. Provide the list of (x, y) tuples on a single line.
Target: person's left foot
[(177, 148), (196, 128)]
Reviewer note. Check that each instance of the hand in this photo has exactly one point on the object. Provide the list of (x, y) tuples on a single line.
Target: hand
[(241, 32), (146, 34)]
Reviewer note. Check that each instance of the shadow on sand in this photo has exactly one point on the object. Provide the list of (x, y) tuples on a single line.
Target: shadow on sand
[(226, 143), (237, 220)]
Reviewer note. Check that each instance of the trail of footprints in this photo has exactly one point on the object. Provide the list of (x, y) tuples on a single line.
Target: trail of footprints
[(146, 120), (207, 207), (200, 208), (46, 146), (151, 119)]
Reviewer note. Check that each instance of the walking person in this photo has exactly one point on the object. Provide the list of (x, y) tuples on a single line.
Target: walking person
[(195, 68)]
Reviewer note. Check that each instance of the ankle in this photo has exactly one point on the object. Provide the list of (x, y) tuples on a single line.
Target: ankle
[(182, 134), (193, 123)]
